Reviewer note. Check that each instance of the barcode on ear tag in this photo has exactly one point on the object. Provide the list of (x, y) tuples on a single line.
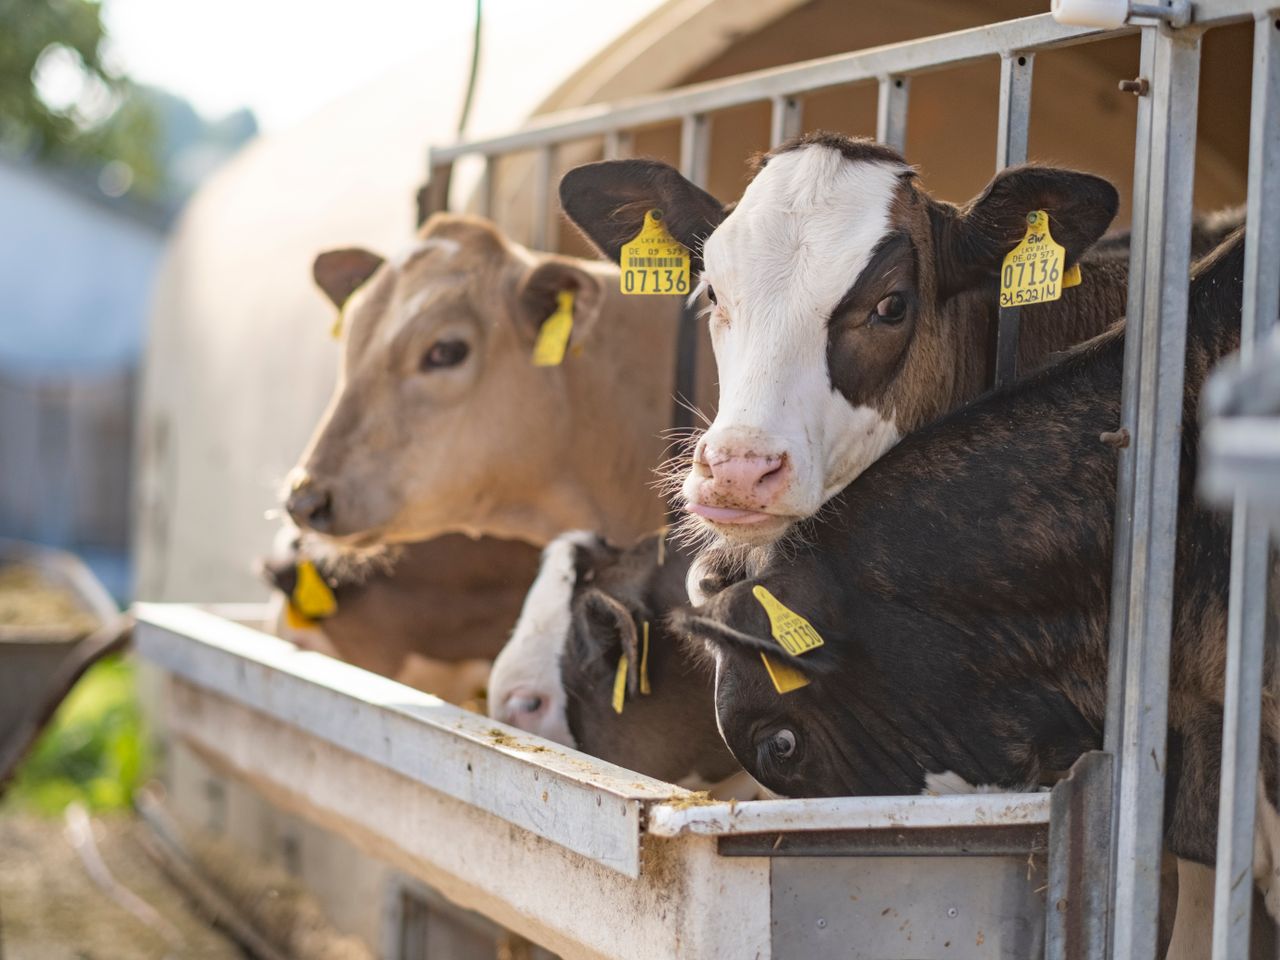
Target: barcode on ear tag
[(785, 678), (1032, 271), (793, 632), (654, 262)]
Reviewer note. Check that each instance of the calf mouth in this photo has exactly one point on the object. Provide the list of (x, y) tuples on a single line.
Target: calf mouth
[(747, 527)]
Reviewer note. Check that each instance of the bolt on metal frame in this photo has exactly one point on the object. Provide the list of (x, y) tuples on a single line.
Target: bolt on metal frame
[(1128, 776)]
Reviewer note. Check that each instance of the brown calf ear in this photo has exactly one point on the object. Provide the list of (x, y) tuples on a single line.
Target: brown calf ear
[(607, 201), (340, 272), (608, 615), (537, 296), (971, 242)]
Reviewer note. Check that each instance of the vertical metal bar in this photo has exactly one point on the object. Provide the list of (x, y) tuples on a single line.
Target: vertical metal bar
[(544, 164), (618, 144), (1246, 613), (785, 120), (1011, 149), (1156, 440), (695, 156), (484, 189), (1079, 829), (695, 148), (434, 196), (891, 111)]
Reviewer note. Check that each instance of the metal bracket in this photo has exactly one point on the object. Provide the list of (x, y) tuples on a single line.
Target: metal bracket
[(1079, 855)]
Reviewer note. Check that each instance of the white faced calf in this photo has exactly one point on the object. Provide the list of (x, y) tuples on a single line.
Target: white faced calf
[(847, 307)]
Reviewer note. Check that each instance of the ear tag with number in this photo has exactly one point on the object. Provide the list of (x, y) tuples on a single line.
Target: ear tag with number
[(785, 678), (1073, 277), (644, 658), (793, 632), (654, 261), (311, 595), (620, 684), (1033, 270), (553, 337)]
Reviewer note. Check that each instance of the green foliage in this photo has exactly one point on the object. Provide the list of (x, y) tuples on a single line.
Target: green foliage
[(100, 117), (93, 752)]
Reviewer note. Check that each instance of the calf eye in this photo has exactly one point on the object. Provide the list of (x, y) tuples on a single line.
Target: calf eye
[(711, 294), (782, 744), (891, 309), (444, 353)]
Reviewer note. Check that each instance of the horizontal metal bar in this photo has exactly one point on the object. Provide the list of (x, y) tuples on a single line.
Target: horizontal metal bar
[(583, 804), (976, 811), (1006, 840), (910, 58)]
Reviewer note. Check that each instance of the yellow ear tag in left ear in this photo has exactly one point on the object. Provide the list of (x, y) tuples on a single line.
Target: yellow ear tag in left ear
[(793, 632), (654, 261), (785, 678), (644, 658), (1033, 270), (311, 595), (335, 331), (620, 684), (295, 618), (553, 337), (1073, 277)]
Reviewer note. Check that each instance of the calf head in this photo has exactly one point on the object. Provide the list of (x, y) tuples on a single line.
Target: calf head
[(830, 288), (588, 608), (438, 412)]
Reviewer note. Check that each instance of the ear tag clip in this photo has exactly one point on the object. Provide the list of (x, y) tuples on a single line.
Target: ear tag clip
[(620, 685), (1073, 277), (654, 262), (311, 596), (553, 337), (644, 658), (1032, 271)]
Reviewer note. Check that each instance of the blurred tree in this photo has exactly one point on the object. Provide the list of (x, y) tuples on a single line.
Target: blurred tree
[(61, 100)]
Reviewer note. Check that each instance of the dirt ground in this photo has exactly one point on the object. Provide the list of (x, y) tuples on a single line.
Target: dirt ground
[(50, 908)]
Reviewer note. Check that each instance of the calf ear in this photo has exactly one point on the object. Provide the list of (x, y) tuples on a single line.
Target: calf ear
[(537, 293), (340, 272), (971, 243), (613, 629), (607, 201)]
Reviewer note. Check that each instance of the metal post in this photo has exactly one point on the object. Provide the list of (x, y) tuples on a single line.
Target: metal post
[(484, 189), (891, 111), (1011, 149), (435, 196), (695, 148), (1156, 439), (618, 144), (1246, 614), (540, 234), (784, 120), (695, 155)]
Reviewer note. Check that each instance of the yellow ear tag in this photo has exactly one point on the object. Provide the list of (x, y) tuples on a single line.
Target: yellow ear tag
[(644, 658), (335, 331), (311, 595), (295, 618), (1032, 271), (620, 684), (1073, 277), (553, 338), (785, 678), (654, 261), (793, 632)]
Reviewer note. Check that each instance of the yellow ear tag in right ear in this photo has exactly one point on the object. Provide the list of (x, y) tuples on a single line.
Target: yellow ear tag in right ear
[(785, 678), (553, 337), (654, 261), (644, 658), (620, 684), (295, 618), (1073, 277), (311, 595), (793, 632), (1032, 271)]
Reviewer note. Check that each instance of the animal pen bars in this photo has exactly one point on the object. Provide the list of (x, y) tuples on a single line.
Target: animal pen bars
[(1100, 819)]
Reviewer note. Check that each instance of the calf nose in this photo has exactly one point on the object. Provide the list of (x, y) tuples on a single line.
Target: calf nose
[(754, 479), (309, 506)]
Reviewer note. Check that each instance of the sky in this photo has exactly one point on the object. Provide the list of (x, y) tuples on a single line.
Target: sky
[(286, 58)]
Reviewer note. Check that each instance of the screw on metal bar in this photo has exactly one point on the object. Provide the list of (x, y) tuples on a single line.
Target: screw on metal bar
[(1138, 87), (1116, 439)]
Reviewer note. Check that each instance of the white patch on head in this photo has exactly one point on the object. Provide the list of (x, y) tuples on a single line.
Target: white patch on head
[(950, 783), (803, 232), (420, 247), (529, 665)]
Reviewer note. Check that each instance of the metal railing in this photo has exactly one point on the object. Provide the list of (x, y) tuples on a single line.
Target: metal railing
[(1152, 393)]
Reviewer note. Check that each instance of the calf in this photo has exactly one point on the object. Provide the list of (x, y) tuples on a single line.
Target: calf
[(450, 600), (961, 588), (591, 605), (847, 307), (441, 423)]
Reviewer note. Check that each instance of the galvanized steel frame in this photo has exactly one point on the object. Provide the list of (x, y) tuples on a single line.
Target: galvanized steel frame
[(1151, 403)]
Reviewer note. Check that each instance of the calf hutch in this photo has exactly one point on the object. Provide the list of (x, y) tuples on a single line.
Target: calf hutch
[(431, 831)]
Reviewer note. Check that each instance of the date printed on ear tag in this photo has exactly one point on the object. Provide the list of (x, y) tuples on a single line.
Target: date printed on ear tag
[(793, 632), (553, 336), (1032, 271), (654, 262)]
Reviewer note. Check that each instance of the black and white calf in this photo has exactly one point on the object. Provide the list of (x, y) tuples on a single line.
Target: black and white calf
[(961, 588), (848, 307), (591, 605)]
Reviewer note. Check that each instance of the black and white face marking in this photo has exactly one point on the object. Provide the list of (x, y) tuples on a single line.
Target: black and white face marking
[(779, 267), (525, 689)]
